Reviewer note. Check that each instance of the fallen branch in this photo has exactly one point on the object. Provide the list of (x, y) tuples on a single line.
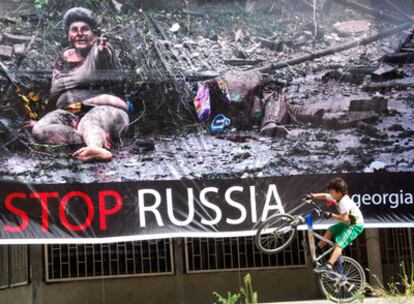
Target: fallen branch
[(409, 50), (330, 51), (239, 62), (399, 58), (397, 84), (200, 76)]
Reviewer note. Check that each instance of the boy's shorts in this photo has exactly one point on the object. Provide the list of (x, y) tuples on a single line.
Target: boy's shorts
[(344, 234)]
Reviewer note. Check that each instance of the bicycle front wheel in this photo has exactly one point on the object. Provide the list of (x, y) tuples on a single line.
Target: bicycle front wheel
[(276, 233), (345, 286)]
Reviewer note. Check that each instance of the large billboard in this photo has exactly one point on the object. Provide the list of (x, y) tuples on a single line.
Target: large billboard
[(127, 121)]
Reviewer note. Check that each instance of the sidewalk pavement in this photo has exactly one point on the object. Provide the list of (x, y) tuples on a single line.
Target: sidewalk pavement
[(366, 301)]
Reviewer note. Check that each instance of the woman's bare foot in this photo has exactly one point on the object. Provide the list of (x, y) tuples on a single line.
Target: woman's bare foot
[(86, 154)]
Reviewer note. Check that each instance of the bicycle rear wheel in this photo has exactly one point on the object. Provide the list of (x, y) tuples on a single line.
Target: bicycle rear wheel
[(276, 233), (343, 288)]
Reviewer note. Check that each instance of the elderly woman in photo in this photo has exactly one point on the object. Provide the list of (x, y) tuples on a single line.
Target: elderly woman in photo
[(87, 90)]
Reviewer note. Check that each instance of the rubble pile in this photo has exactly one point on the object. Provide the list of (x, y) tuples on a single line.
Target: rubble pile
[(345, 76)]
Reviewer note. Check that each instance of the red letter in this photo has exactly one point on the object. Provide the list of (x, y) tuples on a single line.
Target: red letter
[(62, 213), (43, 196), (103, 211), (18, 212)]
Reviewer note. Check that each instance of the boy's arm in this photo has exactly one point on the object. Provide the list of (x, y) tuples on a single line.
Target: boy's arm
[(319, 196), (344, 217)]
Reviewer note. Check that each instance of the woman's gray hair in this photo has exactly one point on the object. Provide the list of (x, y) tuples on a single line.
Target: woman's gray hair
[(79, 14)]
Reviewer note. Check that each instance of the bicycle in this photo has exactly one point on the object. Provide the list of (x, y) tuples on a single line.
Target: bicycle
[(341, 285)]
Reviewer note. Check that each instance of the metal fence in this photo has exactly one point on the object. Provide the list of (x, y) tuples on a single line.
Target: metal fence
[(396, 249), (141, 258), (14, 266), (91, 261), (226, 254)]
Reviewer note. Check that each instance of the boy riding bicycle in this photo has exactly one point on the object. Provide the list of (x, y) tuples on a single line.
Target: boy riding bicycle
[(351, 221)]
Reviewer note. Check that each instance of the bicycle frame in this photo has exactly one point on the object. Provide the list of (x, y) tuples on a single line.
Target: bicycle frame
[(312, 235), (308, 218), (311, 239)]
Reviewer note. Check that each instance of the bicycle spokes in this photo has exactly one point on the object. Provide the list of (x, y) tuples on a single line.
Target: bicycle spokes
[(276, 233), (342, 285), (275, 238)]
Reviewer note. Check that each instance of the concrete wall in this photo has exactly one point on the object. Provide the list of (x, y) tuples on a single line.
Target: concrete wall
[(271, 285)]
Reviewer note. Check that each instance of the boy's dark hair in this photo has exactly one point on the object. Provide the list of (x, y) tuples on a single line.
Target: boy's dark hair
[(338, 184)]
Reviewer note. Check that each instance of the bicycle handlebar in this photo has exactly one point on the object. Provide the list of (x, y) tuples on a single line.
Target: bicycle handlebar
[(308, 200)]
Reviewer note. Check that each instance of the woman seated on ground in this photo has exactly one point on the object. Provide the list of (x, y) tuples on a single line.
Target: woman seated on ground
[(85, 78)]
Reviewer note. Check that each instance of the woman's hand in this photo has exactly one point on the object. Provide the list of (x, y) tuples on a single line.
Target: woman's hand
[(102, 44)]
